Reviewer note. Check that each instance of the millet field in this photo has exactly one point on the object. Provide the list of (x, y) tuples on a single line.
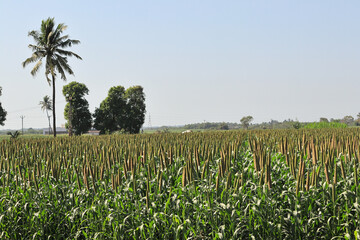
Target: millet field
[(276, 184)]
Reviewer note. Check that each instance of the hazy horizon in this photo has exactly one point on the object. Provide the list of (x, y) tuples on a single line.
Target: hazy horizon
[(197, 60)]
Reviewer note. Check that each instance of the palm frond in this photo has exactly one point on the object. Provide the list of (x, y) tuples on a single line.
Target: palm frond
[(61, 71), (36, 68), (47, 77), (67, 53), (47, 26), (49, 69), (35, 57), (62, 66), (35, 35), (68, 43), (37, 48), (49, 37), (61, 27), (63, 38)]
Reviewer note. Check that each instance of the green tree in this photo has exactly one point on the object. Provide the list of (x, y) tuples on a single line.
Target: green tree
[(121, 110), (322, 119), (135, 109), (223, 126), (46, 106), (49, 46), (348, 120), (3, 113), (335, 120), (77, 108), (110, 116), (296, 125), (245, 121), (357, 123)]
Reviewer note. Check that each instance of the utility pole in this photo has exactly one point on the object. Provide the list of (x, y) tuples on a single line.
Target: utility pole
[(22, 124)]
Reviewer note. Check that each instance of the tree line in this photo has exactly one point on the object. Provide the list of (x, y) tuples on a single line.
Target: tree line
[(122, 110)]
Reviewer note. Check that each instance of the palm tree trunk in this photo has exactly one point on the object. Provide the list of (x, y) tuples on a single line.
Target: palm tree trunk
[(54, 116), (47, 114)]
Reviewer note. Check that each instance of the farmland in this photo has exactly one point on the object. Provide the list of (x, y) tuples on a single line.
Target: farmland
[(276, 184)]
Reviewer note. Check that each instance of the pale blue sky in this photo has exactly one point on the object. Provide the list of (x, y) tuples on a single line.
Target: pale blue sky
[(197, 60)]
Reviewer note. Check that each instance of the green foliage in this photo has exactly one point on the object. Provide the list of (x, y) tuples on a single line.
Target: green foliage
[(212, 126), (322, 119), (348, 120), (14, 135), (135, 109), (50, 45), (121, 110), (223, 126), (215, 185), (110, 116), (3, 113), (81, 118), (245, 121), (320, 125), (296, 124), (357, 122)]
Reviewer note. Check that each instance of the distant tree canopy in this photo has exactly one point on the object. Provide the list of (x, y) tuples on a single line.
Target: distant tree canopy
[(322, 119), (79, 113), (245, 121), (3, 113), (121, 110), (348, 120), (34, 131), (357, 122), (223, 126), (335, 120), (296, 125), (212, 126)]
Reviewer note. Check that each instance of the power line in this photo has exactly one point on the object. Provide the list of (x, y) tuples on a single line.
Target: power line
[(32, 108)]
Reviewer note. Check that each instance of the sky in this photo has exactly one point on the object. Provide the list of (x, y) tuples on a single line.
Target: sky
[(198, 60)]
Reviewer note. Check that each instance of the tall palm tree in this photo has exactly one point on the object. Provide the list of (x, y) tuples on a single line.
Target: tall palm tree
[(49, 46), (45, 106)]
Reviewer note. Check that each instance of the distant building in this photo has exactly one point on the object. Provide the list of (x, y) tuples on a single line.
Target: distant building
[(93, 132), (187, 131), (59, 130)]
